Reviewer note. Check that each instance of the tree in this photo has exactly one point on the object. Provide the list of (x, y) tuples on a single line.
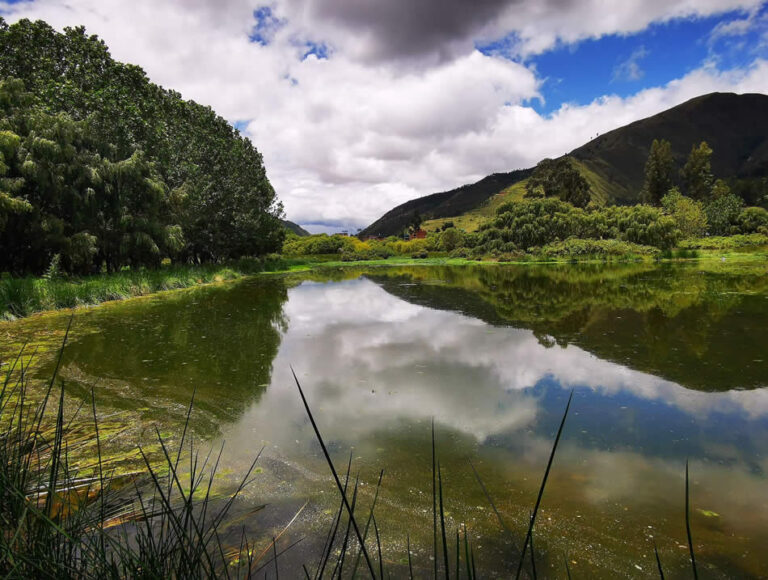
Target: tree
[(659, 170), (98, 162), (753, 220), (451, 239), (558, 178), (415, 224), (688, 214), (697, 172), (723, 210)]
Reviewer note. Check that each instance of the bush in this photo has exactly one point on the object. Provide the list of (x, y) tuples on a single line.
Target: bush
[(722, 214), (535, 223), (580, 248), (460, 253), (753, 220), (688, 214), (725, 242), (451, 239)]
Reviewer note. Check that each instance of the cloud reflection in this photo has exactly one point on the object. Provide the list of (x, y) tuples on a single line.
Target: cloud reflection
[(368, 359)]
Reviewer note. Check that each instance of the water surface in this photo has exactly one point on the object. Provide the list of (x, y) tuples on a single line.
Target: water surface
[(666, 364)]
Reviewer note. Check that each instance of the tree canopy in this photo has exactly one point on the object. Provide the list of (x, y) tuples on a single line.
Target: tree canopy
[(697, 172), (104, 168), (659, 172), (559, 178)]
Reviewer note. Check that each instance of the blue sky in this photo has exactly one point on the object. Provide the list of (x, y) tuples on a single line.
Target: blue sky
[(360, 106), (624, 64)]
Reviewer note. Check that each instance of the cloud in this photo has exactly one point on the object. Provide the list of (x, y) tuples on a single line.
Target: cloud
[(438, 30), (354, 114), (738, 26), (630, 70)]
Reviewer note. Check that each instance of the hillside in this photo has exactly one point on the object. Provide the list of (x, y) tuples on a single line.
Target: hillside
[(735, 126), (295, 228), (445, 204)]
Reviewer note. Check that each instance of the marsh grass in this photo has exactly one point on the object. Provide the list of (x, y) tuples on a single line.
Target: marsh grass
[(21, 297), (58, 520)]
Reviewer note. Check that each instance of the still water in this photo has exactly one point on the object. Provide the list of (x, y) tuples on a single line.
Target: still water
[(666, 363)]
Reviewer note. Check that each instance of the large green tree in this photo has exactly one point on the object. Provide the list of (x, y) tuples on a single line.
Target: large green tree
[(158, 175), (697, 172), (559, 178), (659, 172)]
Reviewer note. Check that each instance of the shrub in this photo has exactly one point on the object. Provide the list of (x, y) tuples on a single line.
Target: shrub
[(722, 213), (535, 223), (581, 248), (451, 239), (753, 220), (688, 214), (725, 242)]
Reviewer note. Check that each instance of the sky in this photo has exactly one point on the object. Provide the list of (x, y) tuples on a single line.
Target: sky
[(360, 105)]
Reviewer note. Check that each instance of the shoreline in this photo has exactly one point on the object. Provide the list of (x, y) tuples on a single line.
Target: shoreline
[(101, 289)]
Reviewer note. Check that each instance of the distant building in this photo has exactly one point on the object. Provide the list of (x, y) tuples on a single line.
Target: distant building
[(418, 235)]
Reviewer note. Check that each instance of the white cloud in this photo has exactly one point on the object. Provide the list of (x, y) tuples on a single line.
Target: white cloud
[(630, 69), (388, 117)]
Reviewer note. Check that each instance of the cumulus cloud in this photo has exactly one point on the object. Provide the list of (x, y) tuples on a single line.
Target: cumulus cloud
[(435, 30), (404, 105)]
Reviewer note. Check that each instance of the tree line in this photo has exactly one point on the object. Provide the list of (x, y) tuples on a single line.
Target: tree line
[(102, 169), (701, 203)]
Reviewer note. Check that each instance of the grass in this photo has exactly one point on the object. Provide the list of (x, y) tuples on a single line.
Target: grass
[(21, 297), (473, 219)]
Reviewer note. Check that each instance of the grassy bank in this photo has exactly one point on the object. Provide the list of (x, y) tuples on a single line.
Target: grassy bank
[(21, 297)]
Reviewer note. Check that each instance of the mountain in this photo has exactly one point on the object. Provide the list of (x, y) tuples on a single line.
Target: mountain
[(734, 126), (446, 204), (295, 228)]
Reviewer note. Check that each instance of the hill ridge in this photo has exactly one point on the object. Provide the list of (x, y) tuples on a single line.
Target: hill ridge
[(734, 125)]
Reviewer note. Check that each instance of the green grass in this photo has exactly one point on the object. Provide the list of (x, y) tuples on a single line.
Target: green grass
[(725, 242), (473, 219), (21, 297)]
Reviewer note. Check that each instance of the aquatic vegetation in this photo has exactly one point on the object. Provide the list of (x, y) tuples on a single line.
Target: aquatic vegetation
[(62, 517)]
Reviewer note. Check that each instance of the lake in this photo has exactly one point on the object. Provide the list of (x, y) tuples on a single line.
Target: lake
[(666, 363)]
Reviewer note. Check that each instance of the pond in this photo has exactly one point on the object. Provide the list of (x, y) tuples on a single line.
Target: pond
[(667, 364)]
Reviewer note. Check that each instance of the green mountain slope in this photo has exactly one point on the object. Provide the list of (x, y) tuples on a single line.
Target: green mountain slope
[(735, 126), (446, 204)]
